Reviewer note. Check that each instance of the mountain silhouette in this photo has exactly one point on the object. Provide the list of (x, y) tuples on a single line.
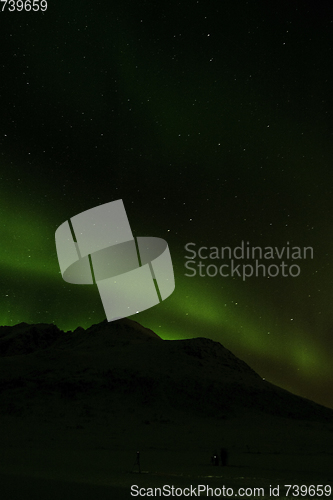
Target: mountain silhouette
[(123, 364)]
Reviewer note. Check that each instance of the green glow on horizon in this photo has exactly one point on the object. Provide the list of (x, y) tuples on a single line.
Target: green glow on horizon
[(202, 316), (195, 313), (193, 310)]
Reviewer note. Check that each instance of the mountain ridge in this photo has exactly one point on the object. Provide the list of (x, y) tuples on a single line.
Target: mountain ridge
[(127, 363)]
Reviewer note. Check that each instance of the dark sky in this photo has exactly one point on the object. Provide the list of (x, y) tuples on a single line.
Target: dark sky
[(213, 121)]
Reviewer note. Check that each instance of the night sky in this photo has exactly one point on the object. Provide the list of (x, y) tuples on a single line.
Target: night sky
[(213, 121)]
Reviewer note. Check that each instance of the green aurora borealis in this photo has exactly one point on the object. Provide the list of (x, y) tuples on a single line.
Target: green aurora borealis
[(214, 125)]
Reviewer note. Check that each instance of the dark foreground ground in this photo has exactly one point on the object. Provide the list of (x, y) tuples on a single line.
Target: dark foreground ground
[(118, 486), (46, 461)]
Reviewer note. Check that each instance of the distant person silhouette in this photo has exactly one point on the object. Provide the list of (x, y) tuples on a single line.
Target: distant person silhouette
[(215, 459), (224, 457), (137, 462)]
